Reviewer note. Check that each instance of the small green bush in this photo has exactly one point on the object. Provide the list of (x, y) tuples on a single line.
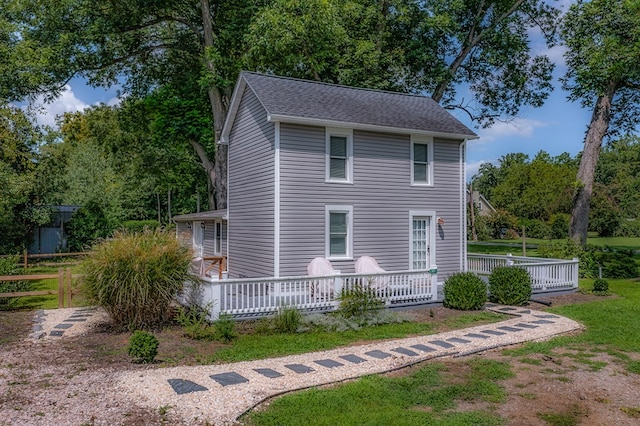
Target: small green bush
[(358, 302), (601, 287), (225, 328), (135, 277), (465, 291), (287, 320), (196, 324), (143, 347), (510, 286)]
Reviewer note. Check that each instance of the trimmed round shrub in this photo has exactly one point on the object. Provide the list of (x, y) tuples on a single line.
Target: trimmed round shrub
[(143, 347), (510, 285), (465, 291), (136, 276), (601, 286)]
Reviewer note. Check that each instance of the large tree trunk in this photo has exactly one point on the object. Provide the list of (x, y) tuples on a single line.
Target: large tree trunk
[(586, 173), (216, 171)]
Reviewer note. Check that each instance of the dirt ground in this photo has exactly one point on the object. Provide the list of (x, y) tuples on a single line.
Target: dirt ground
[(581, 386)]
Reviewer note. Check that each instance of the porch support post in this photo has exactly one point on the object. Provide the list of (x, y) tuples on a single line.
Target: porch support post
[(211, 294)]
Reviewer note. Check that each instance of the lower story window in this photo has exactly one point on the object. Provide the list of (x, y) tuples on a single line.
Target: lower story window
[(339, 232)]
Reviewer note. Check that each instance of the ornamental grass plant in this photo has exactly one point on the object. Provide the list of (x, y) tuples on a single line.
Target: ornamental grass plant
[(136, 276)]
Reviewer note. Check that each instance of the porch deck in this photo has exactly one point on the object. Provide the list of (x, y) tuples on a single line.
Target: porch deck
[(258, 297)]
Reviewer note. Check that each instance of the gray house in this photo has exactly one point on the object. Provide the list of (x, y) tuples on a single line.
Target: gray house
[(322, 170)]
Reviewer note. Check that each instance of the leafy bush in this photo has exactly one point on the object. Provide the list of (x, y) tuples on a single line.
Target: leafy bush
[(195, 322), (601, 287), (465, 291), (287, 320), (225, 328), (88, 225), (559, 225), (358, 302), (500, 222), (9, 266), (135, 277), (139, 225), (510, 286), (143, 347), (535, 228)]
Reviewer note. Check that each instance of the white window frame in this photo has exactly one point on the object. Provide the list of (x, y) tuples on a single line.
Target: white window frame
[(347, 133), (431, 214), (428, 141), (217, 237), (327, 227)]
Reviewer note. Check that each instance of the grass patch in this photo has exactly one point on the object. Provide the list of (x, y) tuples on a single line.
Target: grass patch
[(428, 396), (532, 361), (255, 346), (610, 324), (632, 411)]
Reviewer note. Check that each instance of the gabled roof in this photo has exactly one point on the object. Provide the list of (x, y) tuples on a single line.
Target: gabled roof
[(291, 100)]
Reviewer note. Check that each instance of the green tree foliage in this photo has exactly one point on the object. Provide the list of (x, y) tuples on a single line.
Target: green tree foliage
[(618, 172), (20, 207), (603, 73), (534, 189), (484, 45), (433, 46)]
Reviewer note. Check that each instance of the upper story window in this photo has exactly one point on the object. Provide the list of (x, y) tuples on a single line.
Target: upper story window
[(339, 232), (421, 160), (339, 155)]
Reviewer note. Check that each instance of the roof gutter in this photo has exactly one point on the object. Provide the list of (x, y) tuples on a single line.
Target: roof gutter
[(279, 118)]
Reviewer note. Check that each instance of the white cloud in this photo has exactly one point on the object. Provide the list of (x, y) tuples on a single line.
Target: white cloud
[(46, 112), (518, 128)]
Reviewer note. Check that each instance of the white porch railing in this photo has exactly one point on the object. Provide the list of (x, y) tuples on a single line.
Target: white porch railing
[(546, 274), (255, 297)]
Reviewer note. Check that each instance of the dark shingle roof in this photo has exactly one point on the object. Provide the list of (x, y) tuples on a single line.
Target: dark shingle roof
[(288, 98)]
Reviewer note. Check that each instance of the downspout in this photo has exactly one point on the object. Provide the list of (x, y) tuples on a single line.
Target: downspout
[(463, 205), (276, 202)]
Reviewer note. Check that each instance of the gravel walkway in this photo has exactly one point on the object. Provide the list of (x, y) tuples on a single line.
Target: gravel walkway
[(221, 393)]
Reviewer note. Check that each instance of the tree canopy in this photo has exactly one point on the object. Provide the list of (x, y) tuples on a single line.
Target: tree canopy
[(603, 73)]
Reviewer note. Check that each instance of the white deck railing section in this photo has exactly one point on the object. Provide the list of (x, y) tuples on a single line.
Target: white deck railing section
[(256, 297), (546, 274)]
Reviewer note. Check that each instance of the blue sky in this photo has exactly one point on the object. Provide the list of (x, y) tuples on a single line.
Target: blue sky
[(559, 126)]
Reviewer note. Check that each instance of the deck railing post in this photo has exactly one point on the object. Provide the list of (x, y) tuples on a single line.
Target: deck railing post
[(212, 294)]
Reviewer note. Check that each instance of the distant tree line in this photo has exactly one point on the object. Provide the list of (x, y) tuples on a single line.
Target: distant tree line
[(538, 193)]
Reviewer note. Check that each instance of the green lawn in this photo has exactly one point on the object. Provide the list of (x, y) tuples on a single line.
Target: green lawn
[(48, 301), (428, 396)]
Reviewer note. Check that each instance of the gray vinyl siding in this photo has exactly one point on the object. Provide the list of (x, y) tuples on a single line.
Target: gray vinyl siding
[(381, 196), (251, 191)]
